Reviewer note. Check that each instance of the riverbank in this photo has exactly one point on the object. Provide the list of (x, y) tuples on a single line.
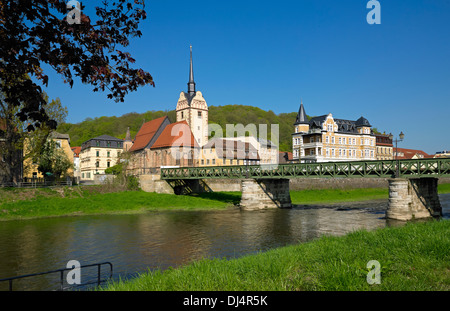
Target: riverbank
[(94, 200), (413, 257), (86, 201)]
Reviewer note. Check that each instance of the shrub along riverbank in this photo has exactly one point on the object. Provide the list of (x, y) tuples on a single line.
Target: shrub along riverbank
[(413, 257), (34, 203)]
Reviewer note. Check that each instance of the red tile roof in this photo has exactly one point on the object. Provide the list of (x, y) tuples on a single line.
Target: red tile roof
[(290, 155), (76, 151), (146, 133), (410, 153), (176, 135)]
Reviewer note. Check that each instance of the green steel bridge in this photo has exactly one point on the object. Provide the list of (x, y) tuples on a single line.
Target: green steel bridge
[(417, 168)]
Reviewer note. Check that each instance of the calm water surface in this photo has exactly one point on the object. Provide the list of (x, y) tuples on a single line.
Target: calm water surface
[(158, 240)]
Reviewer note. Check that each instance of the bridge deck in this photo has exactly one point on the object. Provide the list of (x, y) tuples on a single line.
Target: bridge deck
[(356, 169)]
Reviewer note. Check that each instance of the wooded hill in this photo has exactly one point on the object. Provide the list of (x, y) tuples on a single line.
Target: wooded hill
[(221, 115)]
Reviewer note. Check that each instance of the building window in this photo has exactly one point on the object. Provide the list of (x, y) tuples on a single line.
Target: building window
[(214, 161), (182, 115), (327, 139), (97, 153), (97, 164), (199, 114), (330, 128), (332, 152), (203, 162), (108, 154), (332, 140), (108, 164)]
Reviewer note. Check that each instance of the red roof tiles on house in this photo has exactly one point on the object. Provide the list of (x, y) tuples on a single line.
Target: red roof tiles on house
[(76, 151), (403, 153), (176, 135), (146, 133)]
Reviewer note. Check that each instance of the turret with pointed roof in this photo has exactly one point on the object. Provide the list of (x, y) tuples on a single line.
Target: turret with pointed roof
[(127, 142), (301, 116)]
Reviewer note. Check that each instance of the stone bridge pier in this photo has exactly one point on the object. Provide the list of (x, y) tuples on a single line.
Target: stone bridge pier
[(265, 193), (413, 198)]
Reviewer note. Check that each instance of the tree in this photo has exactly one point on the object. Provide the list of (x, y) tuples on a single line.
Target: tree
[(39, 34), (32, 142), (53, 162)]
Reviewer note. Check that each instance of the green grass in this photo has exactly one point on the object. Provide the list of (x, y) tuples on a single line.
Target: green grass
[(444, 188), (337, 195), (413, 257), (104, 203)]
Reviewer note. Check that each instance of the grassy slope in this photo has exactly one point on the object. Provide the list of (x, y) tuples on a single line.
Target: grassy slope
[(119, 202), (412, 257)]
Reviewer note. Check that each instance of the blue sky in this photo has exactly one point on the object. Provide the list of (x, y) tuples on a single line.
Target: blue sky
[(273, 54)]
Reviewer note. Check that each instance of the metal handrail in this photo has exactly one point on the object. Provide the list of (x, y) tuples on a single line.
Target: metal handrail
[(61, 271)]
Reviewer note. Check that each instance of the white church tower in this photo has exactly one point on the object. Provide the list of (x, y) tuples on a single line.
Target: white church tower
[(192, 107)]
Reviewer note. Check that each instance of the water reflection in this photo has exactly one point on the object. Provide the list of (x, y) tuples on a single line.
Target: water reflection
[(158, 240)]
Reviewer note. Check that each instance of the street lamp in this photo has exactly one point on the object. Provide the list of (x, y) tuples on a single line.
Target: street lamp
[(396, 141)]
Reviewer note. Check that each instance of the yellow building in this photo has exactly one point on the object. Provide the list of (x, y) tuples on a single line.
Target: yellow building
[(223, 152), (327, 139), (385, 148), (62, 142)]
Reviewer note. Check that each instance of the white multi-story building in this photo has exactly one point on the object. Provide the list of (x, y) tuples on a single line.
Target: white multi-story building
[(325, 139), (97, 154)]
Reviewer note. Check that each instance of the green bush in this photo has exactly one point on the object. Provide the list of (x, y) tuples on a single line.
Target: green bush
[(133, 183)]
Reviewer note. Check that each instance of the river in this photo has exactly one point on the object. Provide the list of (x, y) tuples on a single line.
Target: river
[(158, 240)]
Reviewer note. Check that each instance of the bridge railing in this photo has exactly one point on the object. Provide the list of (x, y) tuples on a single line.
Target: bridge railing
[(354, 169)]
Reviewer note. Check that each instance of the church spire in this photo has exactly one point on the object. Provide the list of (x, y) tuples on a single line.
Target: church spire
[(191, 84), (128, 136)]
